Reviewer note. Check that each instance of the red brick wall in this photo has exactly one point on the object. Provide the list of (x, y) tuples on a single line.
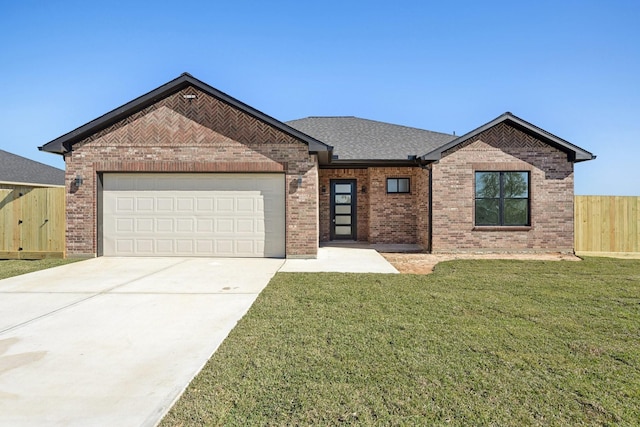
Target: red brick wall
[(382, 217), (199, 135), (503, 148), (393, 217)]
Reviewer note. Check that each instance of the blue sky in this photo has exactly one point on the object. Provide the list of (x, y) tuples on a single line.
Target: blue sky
[(570, 67)]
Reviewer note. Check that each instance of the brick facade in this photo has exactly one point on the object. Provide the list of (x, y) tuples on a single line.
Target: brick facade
[(393, 216), (202, 134), (382, 217), (503, 148), (404, 218), (192, 129)]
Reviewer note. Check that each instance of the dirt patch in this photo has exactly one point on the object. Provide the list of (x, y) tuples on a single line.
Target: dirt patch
[(424, 263)]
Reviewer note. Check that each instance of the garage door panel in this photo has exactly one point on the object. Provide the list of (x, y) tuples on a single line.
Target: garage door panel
[(164, 225), (164, 204), (125, 204), (184, 246), (224, 205), (185, 204), (204, 225), (144, 204), (245, 205), (204, 204), (144, 225), (245, 247), (144, 246), (223, 225), (125, 246), (195, 214), (185, 225), (124, 225), (204, 247), (164, 246), (224, 247), (245, 226)]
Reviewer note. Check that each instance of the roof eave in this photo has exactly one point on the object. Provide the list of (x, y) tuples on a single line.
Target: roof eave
[(365, 163), (580, 157), (31, 184), (64, 143)]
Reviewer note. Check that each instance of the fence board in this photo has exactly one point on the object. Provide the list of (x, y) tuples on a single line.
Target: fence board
[(32, 222), (607, 224)]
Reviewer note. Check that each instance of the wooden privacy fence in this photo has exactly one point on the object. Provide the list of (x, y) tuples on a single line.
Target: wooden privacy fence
[(32, 223), (607, 224)]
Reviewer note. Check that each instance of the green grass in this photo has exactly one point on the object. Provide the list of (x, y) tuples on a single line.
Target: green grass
[(10, 268), (476, 343)]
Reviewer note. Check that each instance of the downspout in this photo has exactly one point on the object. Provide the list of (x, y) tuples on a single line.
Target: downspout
[(99, 214), (430, 198), (429, 167)]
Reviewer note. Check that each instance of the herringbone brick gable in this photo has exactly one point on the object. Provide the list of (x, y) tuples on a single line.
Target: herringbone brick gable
[(192, 121), (502, 136)]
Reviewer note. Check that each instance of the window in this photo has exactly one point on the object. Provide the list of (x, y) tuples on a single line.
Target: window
[(397, 185), (502, 198)]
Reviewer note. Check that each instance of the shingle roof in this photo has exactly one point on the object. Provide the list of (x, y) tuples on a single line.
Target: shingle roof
[(354, 138), (14, 168)]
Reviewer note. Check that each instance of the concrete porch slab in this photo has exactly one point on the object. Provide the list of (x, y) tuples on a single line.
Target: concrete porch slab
[(380, 247), (341, 260)]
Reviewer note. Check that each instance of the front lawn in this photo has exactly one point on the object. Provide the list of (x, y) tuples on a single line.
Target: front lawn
[(10, 268), (486, 342)]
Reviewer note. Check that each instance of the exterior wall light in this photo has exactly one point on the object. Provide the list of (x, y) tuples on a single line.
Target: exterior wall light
[(78, 181), (299, 180)]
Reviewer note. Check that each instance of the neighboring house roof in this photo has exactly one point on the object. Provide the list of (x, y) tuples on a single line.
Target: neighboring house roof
[(20, 170), (354, 138), (574, 153), (64, 143)]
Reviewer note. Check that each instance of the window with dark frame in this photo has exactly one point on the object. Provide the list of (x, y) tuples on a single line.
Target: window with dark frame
[(502, 199), (398, 185)]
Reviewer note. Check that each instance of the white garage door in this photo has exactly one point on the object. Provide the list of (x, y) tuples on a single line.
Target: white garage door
[(223, 215)]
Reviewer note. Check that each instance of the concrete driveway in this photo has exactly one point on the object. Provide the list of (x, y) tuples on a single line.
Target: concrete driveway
[(114, 341)]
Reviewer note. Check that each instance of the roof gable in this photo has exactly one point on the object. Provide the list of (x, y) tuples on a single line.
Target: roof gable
[(17, 169), (574, 153), (65, 142)]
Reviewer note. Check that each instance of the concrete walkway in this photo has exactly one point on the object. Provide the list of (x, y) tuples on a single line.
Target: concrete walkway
[(342, 260), (114, 341)]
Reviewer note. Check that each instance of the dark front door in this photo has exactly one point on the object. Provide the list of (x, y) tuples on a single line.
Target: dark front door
[(343, 209)]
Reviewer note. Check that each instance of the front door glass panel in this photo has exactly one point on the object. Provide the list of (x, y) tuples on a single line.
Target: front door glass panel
[(343, 208)]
